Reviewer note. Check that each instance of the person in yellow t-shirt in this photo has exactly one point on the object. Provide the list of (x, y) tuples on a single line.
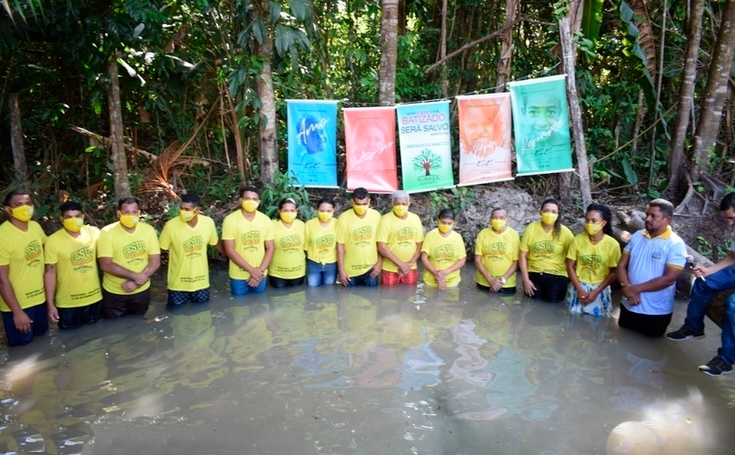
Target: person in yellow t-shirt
[(21, 271), (321, 245), (542, 259), (443, 253), (358, 260), (592, 262), (71, 279), (129, 255), (496, 255), (400, 235), (186, 238), (288, 266), (247, 236)]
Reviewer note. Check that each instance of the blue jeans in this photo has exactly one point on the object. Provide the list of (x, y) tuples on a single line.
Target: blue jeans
[(699, 302), (241, 287), (318, 274), (364, 280), (37, 314)]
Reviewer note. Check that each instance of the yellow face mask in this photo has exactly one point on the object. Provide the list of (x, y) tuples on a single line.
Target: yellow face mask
[(187, 215), (73, 224), (129, 221), (250, 206), (23, 213), (288, 217), (498, 224), (360, 209), (549, 218), (592, 228), (325, 216), (444, 227), (400, 210)]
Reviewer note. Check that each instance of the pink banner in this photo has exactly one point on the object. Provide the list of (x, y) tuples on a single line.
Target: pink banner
[(484, 138), (370, 142)]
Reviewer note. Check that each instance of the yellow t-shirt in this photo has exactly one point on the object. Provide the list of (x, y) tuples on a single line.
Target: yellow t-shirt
[(188, 265), (400, 236), (498, 252), (594, 261), (321, 242), (546, 254), (249, 237), (77, 278), (358, 235), (443, 253), (289, 259), (22, 252), (126, 250)]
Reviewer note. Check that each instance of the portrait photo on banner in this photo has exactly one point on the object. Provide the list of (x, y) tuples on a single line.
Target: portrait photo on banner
[(541, 125), (485, 132), (370, 146), (312, 142)]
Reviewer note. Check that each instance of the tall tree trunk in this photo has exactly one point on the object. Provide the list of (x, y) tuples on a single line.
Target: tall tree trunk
[(506, 50), (676, 171), (708, 126), (443, 47), (389, 52), (268, 149), (117, 146), (659, 82), (568, 52), (16, 139)]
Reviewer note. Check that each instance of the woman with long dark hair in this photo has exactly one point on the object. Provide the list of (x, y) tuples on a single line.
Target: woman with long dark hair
[(591, 262), (543, 255)]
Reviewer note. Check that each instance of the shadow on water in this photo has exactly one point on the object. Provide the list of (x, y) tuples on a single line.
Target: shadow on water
[(363, 371)]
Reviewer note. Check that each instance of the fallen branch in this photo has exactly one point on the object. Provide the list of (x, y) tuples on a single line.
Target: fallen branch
[(150, 156), (492, 35)]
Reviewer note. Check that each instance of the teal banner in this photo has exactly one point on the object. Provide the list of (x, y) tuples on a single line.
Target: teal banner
[(312, 142), (541, 125), (426, 155)]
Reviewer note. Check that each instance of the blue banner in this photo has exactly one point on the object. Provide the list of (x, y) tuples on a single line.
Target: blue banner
[(312, 142)]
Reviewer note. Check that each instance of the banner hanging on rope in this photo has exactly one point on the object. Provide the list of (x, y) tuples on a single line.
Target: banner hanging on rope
[(484, 138), (426, 154), (312, 142), (370, 144), (541, 125)]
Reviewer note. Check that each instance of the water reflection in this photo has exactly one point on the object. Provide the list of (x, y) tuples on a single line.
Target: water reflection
[(332, 370)]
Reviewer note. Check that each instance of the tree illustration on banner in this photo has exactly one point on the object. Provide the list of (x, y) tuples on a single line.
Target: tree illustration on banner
[(426, 161)]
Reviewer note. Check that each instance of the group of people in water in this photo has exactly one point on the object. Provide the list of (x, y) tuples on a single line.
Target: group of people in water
[(56, 278)]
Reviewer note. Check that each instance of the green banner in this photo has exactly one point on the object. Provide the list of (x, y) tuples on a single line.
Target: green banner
[(426, 156), (541, 125)]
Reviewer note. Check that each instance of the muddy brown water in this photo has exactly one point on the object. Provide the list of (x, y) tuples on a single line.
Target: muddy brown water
[(364, 371)]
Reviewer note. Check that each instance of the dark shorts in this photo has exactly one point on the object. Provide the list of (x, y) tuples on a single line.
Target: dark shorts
[(364, 280), (388, 278), (504, 291), (650, 325), (70, 318), (276, 282), (549, 287), (37, 314), (177, 298), (116, 305)]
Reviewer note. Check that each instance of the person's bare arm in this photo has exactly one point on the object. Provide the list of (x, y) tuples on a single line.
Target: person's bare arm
[(386, 253), (528, 287), (220, 248), (622, 271), (20, 318), (495, 285), (108, 266), (725, 262), (344, 278), (229, 248), (49, 285)]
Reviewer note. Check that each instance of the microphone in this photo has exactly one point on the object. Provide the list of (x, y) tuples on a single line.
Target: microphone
[(691, 263)]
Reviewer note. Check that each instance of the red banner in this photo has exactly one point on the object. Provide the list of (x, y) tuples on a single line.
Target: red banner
[(484, 138), (370, 142)]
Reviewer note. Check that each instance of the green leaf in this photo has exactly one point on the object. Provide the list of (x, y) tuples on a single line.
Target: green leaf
[(275, 11), (259, 31), (138, 30), (592, 19), (284, 39), (300, 9), (630, 174)]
